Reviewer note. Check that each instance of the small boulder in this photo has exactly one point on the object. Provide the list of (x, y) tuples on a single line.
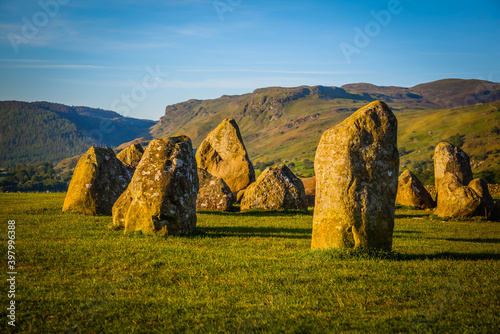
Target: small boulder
[(356, 167), (98, 180), (456, 200), (131, 156), (223, 154), (214, 193), (161, 198), (277, 188), (412, 192)]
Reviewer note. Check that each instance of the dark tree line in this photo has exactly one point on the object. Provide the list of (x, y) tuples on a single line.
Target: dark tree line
[(37, 177)]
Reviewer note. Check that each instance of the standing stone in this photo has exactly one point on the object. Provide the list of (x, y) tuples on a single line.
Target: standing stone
[(161, 198), (214, 193), (412, 192), (356, 167), (451, 159), (223, 154), (277, 188), (98, 180), (457, 194), (131, 156)]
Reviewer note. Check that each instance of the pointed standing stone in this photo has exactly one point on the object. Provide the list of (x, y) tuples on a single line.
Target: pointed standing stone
[(98, 180), (356, 169), (223, 154), (412, 192), (131, 156)]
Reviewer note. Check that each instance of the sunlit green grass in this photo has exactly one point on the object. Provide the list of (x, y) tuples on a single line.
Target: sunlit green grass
[(247, 272)]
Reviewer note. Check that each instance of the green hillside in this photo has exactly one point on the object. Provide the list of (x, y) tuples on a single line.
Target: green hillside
[(278, 124), (42, 131), (285, 124)]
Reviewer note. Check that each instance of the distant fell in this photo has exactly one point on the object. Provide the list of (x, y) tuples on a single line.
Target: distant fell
[(43, 131)]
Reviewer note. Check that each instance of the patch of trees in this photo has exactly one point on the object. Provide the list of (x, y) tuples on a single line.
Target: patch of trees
[(37, 177)]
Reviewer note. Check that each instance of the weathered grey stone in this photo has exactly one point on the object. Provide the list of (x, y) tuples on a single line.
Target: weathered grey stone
[(412, 192), (277, 188), (131, 156), (223, 154), (356, 169), (161, 198), (98, 180), (214, 193)]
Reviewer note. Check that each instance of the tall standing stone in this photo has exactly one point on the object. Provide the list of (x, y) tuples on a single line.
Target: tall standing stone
[(161, 198), (98, 180), (412, 192), (131, 156), (277, 188), (223, 154), (356, 167)]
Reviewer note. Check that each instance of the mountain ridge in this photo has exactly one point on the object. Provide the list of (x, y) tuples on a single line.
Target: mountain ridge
[(277, 124)]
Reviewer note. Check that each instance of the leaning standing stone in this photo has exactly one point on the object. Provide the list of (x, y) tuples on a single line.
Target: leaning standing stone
[(412, 192), (356, 168), (161, 198), (98, 180)]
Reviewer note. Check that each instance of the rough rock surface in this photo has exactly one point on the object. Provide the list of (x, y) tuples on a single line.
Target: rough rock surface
[(277, 188), (412, 192), (456, 200), (223, 154), (457, 194), (161, 198), (131, 156), (310, 188), (214, 193), (98, 180), (356, 167), (451, 159)]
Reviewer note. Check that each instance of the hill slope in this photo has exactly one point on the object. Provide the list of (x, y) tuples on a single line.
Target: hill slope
[(42, 131), (285, 124)]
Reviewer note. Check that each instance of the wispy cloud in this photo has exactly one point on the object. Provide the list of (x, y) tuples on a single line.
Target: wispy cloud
[(268, 71)]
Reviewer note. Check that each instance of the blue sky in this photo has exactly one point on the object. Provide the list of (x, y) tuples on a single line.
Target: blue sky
[(137, 57)]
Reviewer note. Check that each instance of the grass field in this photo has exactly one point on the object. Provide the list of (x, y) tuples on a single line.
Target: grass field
[(246, 272)]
